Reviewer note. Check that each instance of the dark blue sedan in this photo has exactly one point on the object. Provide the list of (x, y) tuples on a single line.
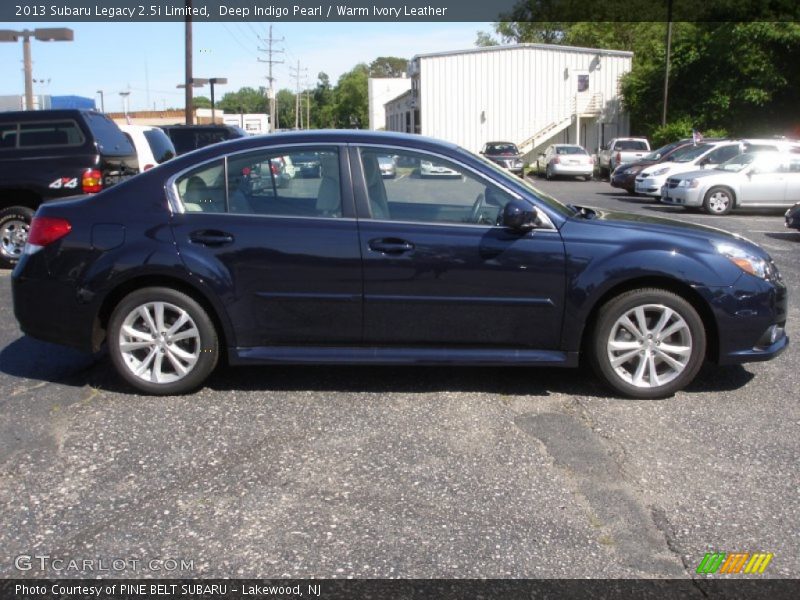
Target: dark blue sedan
[(212, 252)]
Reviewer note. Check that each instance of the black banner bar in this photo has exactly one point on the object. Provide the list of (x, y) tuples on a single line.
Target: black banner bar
[(327, 589), (397, 10)]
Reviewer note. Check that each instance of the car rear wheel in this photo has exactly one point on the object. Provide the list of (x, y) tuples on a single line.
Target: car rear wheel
[(718, 201), (648, 343), (162, 341), (15, 222)]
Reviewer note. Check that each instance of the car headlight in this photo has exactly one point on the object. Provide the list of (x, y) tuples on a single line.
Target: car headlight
[(746, 261), (688, 183), (662, 171), (630, 171)]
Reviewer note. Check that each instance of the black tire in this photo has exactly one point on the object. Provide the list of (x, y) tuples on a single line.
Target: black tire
[(204, 347), (718, 201), (14, 224), (646, 351), (631, 192)]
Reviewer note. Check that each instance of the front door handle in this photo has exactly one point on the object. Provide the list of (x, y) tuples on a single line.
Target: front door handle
[(390, 246), (209, 237)]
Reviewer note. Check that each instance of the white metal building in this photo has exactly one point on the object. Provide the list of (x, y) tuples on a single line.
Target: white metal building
[(529, 94), (381, 90)]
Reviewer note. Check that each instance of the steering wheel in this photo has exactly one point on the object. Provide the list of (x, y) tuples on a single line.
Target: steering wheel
[(477, 209)]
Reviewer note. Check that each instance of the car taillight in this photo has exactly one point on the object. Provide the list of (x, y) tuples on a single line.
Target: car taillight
[(92, 181), (619, 157), (148, 166), (46, 230), (591, 160), (555, 160)]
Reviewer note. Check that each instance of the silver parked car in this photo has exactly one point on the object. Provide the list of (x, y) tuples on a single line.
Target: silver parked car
[(760, 179), (565, 160)]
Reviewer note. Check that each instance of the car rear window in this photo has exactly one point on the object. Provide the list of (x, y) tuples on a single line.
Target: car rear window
[(110, 140), (570, 150), (160, 144), (631, 145), (186, 140)]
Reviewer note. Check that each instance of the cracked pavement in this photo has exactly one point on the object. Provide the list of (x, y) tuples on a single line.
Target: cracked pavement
[(402, 472)]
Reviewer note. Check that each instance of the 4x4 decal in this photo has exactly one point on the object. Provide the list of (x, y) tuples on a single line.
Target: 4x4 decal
[(64, 182)]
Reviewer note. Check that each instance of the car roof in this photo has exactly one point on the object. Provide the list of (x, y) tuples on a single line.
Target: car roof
[(42, 115)]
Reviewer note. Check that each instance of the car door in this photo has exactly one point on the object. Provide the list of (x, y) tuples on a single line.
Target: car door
[(283, 253), (438, 271), (764, 181)]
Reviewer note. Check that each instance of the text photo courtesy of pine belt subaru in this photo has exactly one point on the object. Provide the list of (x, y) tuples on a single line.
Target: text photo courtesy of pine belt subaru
[(762, 179), (207, 254)]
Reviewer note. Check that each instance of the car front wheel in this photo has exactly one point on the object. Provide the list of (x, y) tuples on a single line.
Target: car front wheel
[(15, 223), (648, 343), (718, 201), (162, 341)]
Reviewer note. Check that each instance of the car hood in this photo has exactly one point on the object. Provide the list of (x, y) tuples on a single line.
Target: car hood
[(665, 226)]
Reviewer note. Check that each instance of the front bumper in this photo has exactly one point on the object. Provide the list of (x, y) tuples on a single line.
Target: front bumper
[(649, 185), (681, 196)]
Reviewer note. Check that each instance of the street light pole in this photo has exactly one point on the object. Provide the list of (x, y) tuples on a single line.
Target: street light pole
[(102, 101), (46, 34)]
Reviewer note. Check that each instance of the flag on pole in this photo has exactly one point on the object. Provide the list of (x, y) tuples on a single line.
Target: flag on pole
[(696, 136)]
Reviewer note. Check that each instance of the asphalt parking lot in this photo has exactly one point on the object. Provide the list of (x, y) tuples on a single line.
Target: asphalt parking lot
[(402, 472)]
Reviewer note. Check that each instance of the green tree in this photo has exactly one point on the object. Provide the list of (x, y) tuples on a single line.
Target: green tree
[(351, 98), (388, 66), (202, 102), (285, 109), (246, 100), (323, 108)]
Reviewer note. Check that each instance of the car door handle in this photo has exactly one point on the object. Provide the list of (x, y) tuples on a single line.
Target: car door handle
[(211, 238), (390, 246)]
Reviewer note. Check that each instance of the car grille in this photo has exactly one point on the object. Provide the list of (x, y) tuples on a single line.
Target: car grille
[(672, 183)]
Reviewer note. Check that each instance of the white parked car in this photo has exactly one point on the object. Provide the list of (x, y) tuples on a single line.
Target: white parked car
[(432, 169), (703, 156), (567, 160), (153, 146), (760, 179)]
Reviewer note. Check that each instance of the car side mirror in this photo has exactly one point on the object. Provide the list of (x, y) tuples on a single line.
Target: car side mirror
[(520, 216)]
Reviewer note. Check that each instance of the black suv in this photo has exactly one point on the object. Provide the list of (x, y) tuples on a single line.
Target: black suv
[(186, 138), (51, 154)]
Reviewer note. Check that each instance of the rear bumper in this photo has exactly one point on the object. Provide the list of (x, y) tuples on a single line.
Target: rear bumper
[(573, 170), (50, 311)]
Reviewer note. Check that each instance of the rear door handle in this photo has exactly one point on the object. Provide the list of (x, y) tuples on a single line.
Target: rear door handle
[(390, 246), (211, 238)]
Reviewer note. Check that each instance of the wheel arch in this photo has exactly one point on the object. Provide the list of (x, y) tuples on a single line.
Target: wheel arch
[(10, 197), (122, 289), (684, 290)]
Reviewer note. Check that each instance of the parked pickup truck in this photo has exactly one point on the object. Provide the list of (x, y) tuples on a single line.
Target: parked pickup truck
[(620, 151), (51, 154)]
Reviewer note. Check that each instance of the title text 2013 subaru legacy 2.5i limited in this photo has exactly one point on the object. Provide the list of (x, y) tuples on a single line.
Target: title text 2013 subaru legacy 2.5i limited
[(208, 254)]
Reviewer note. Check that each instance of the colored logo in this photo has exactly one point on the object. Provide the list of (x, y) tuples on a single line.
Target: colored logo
[(734, 562)]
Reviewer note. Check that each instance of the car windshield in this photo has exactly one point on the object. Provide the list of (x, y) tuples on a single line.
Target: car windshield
[(501, 149), (664, 150), (692, 153), (570, 150)]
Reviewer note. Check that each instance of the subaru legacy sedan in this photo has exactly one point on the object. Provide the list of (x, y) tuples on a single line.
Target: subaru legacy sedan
[(208, 255)]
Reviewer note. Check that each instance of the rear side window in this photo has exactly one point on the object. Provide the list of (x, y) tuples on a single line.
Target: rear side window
[(160, 145), (49, 133), (110, 140)]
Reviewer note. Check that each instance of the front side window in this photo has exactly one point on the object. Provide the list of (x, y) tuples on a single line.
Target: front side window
[(722, 154), (296, 183), (429, 189)]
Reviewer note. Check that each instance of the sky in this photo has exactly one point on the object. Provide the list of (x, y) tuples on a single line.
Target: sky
[(147, 59)]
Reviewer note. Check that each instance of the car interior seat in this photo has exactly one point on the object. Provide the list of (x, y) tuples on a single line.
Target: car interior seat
[(329, 201), (378, 203)]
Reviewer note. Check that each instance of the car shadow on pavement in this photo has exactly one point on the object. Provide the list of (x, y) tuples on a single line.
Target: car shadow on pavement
[(31, 359), (789, 236)]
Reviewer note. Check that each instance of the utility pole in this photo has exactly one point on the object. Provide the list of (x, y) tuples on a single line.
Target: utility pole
[(668, 45), (188, 66), (271, 91), (298, 115)]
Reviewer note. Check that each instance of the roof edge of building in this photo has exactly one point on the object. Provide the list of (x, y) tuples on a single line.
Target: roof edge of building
[(506, 47)]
